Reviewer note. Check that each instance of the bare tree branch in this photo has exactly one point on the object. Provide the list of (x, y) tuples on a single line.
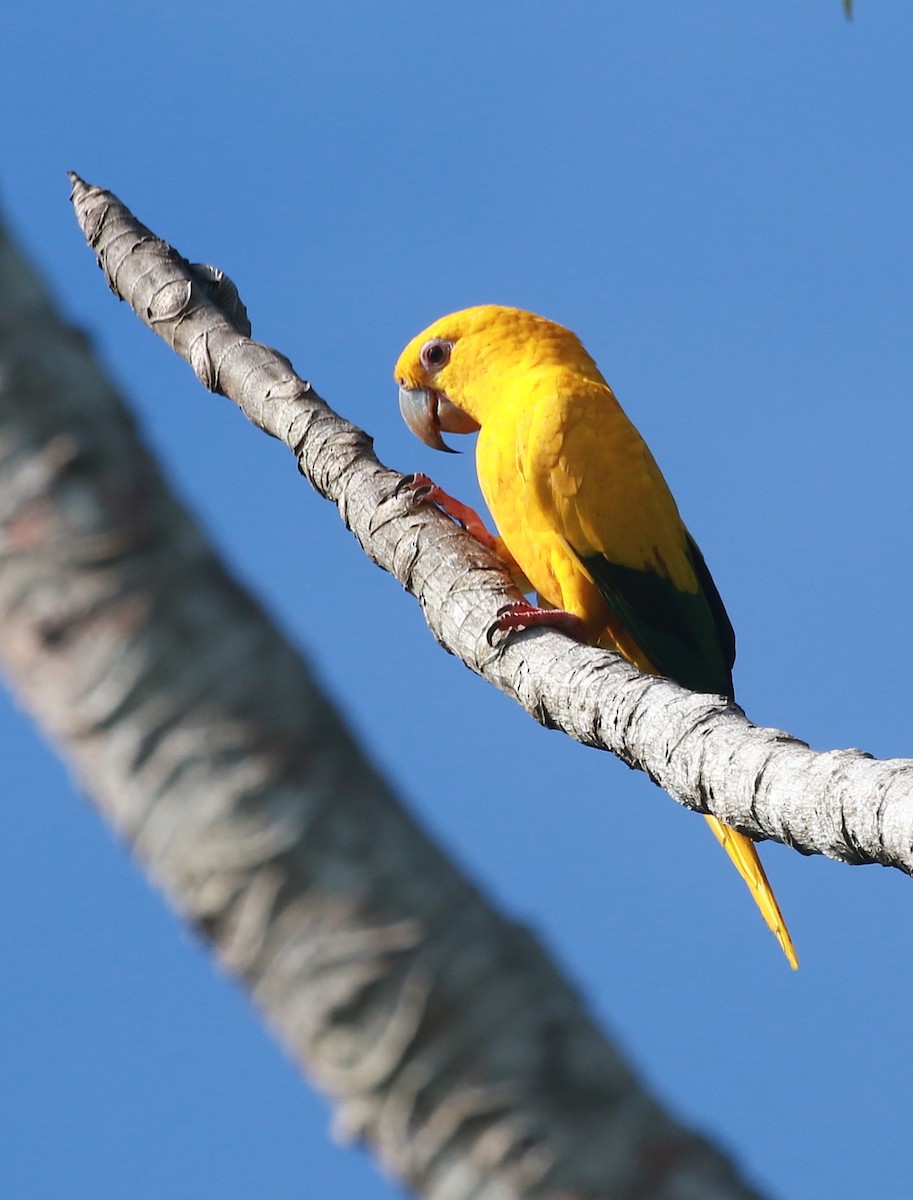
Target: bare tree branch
[(705, 753), (441, 1029)]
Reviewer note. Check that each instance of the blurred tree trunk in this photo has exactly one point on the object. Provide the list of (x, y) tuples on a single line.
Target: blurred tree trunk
[(442, 1032)]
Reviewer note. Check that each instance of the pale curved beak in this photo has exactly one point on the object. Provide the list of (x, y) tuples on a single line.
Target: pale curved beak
[(427, 412)]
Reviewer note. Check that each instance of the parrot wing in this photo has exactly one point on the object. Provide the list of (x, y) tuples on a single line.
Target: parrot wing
[(615, 512), (617, 515), (686, 635)]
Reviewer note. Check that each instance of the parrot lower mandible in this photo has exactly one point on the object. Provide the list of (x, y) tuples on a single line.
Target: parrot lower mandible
[(584, 516)]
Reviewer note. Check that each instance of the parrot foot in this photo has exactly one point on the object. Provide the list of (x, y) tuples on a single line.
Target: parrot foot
[(426, 491), (523, 615)]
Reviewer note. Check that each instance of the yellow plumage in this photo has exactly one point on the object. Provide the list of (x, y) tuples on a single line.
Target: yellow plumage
[(582, 509)]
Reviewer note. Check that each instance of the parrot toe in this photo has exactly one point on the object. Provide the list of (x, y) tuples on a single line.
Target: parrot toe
[(426, 491), (523, 615), (418, 485)]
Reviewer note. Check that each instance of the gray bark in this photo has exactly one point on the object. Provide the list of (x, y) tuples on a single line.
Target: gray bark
[(442, 1032), (704, 752)]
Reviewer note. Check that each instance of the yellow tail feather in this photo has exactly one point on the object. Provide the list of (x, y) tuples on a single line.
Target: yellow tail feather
[(741, 850)]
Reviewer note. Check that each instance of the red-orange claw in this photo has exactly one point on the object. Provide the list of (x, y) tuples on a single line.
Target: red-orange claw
[(426, 491), (523, 615), (417, 483)]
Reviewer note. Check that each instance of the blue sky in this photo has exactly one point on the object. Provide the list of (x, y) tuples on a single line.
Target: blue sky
[(717, 198)]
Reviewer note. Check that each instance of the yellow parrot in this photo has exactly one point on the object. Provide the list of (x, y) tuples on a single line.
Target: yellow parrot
[(585, 517)]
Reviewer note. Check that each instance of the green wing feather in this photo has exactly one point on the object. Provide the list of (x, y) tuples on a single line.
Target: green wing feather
[(686, 635)]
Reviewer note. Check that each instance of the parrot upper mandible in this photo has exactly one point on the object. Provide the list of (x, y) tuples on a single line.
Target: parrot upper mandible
[(585, 517)]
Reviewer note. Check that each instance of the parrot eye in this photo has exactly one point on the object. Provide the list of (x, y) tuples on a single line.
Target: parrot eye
[(435, 353)]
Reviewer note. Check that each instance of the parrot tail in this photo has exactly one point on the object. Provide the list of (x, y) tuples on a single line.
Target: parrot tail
[(741, 850)]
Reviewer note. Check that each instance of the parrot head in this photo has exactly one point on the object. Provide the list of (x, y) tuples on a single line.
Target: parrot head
[(451, 373), (423, 372)]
